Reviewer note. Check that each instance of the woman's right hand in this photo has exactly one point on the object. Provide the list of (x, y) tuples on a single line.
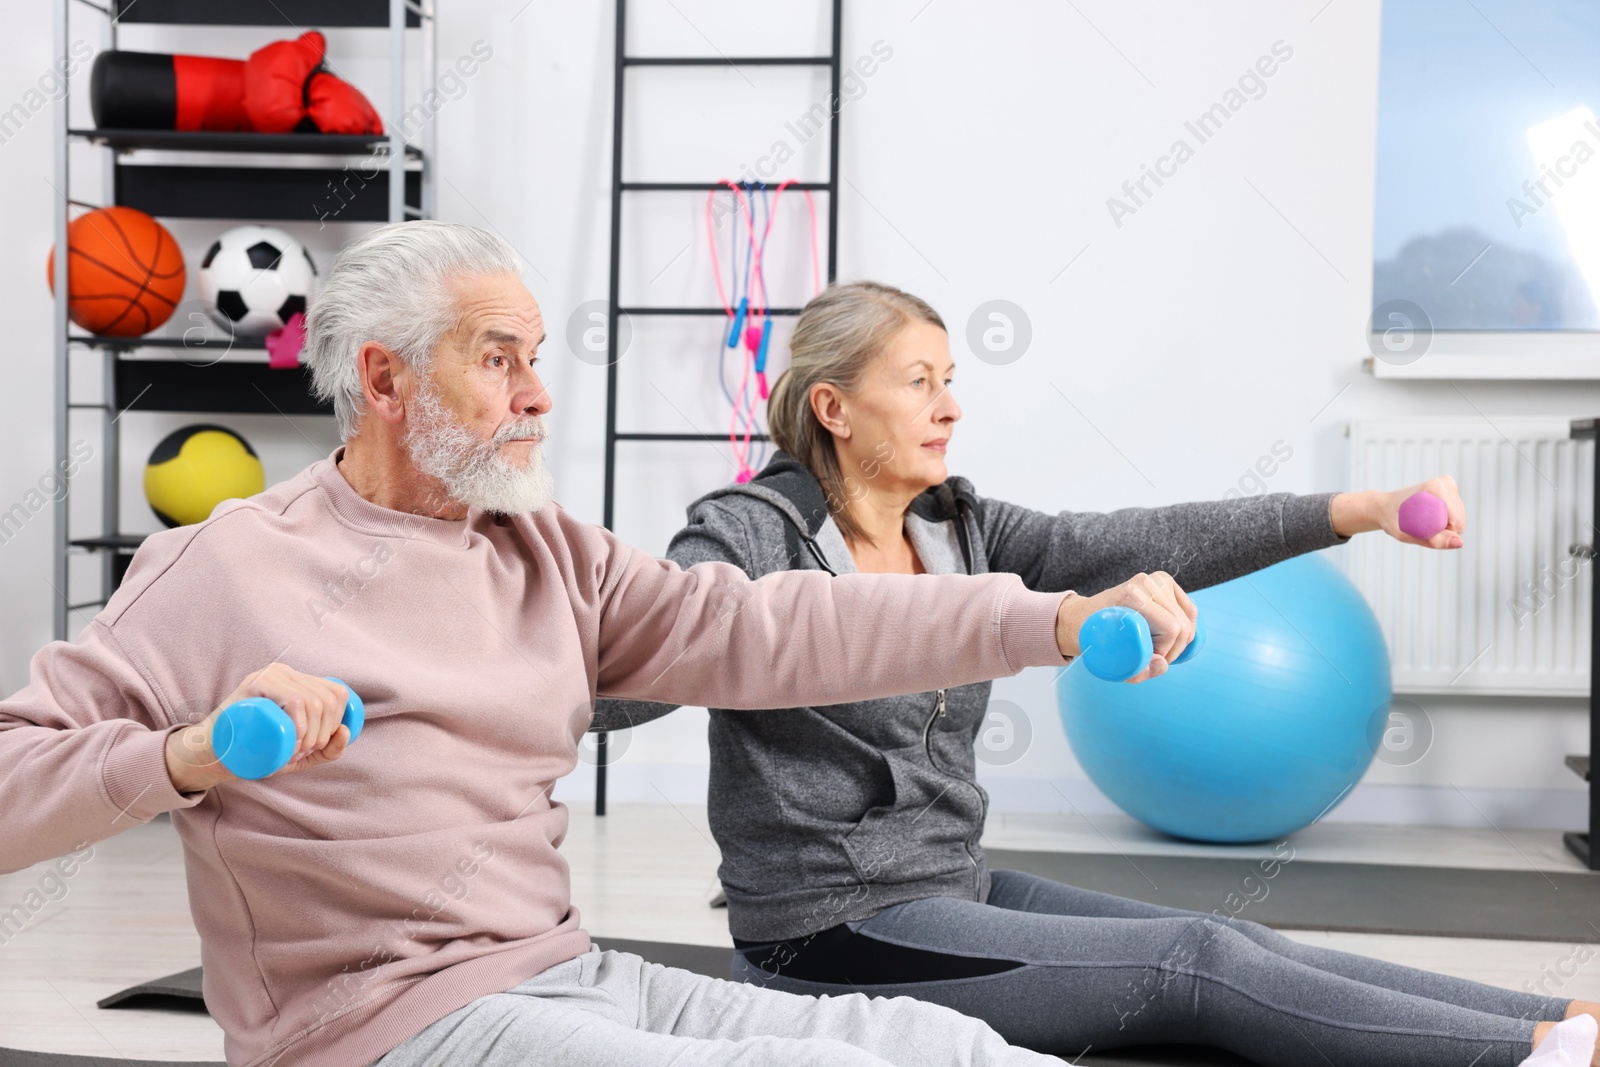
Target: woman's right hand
[(1157, 597), (314, 704)]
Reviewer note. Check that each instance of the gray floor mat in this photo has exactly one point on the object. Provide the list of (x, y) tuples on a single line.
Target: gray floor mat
[(1525, 905)]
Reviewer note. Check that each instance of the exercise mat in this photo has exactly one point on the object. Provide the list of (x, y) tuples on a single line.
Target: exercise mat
[(1376, 898)]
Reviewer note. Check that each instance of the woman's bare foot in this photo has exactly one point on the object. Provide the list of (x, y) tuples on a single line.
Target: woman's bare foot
[(1583, 1007)]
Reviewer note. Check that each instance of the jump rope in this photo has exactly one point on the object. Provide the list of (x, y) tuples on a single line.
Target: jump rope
[(749, 321)]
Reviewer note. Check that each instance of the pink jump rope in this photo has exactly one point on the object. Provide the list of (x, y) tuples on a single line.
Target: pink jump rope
[(1422, 515), (749, 321)]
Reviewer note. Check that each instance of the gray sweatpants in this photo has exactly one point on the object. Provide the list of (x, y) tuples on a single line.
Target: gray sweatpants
[(613, 1009), (1100, 971)]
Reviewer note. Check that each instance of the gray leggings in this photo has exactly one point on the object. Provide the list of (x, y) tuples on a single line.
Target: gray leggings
[(1101, 971)]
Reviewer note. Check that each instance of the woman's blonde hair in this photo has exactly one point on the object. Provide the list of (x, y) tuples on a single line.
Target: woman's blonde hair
[(837, 336)]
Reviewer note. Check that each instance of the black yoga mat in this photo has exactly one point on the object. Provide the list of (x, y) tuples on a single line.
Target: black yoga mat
[(1511, 905), (16, 1057), (181, 991), (175, 992), (701, 959)]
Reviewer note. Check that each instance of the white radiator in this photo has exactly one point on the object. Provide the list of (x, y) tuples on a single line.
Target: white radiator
[(1509, 612)]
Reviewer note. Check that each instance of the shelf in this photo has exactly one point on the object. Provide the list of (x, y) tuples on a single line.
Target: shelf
[(1509, 355), (255, 178), (284, 14), (278, 194), (209, 141), (127, 344), (724, 61), (715, 437), (229, 388), (718, 312), (1580, 766), (703, 187), (110, 542)]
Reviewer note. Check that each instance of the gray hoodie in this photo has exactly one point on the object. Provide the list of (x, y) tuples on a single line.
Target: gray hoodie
[(829, 815)]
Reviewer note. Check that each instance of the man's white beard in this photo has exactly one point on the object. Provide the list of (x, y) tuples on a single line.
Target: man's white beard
[(475, 472)]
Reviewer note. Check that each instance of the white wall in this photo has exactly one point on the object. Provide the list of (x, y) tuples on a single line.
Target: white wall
[(1226, 314)]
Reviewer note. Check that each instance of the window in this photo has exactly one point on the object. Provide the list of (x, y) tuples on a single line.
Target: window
[(1487, 210)]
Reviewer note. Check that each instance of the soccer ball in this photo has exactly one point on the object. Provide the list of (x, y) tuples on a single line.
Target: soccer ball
[(254, 278)]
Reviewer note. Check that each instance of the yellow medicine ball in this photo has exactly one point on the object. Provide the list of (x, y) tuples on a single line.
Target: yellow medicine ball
[(196, 468)]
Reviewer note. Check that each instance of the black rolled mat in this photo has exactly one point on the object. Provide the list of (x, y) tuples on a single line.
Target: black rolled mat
[(181, 992), (16, 1057), (175, 992), (1511, 905)]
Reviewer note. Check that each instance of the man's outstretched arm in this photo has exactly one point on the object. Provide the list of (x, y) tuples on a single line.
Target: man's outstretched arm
[(714, 534), (709, 635)]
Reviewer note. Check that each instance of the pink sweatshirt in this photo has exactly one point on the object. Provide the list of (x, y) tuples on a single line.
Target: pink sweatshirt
[(343, 909)]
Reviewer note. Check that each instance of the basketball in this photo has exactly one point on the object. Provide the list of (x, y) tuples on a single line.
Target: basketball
[(125, 272)]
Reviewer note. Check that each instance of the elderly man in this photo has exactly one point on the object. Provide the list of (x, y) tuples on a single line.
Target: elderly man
[(405, 899)]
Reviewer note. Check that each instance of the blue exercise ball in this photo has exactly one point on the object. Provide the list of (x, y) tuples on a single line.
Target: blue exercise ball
[(1260, 734)]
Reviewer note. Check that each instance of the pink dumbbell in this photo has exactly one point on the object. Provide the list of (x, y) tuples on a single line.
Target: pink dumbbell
[(1422, 515)]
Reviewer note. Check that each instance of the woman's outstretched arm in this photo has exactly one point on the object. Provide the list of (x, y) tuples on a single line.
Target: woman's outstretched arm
[(1200, 543)]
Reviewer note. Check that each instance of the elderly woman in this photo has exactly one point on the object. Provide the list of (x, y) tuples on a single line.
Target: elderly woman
[(850, 831)]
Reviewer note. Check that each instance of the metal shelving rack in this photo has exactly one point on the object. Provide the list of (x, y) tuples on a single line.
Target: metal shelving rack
[(623, 63), (255, 192)]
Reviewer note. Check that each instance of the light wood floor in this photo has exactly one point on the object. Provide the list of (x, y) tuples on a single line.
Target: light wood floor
[(641, 872)]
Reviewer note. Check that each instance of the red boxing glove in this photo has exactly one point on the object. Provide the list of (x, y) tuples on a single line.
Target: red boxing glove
[(274, 83), (338, 107)]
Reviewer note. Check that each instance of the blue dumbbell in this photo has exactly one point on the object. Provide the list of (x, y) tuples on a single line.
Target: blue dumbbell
[(254, 737), (1115, 643)]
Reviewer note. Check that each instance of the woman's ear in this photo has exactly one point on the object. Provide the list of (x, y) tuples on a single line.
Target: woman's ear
[(828, 404), (381, 372)]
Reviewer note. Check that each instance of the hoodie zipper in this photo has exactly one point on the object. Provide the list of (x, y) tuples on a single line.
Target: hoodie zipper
[(940, 705)]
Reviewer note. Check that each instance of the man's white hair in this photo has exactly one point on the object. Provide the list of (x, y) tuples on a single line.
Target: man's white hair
[(391, 286)]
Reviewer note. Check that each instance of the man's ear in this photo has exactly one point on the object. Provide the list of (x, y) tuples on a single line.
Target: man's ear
[(383, 377)]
